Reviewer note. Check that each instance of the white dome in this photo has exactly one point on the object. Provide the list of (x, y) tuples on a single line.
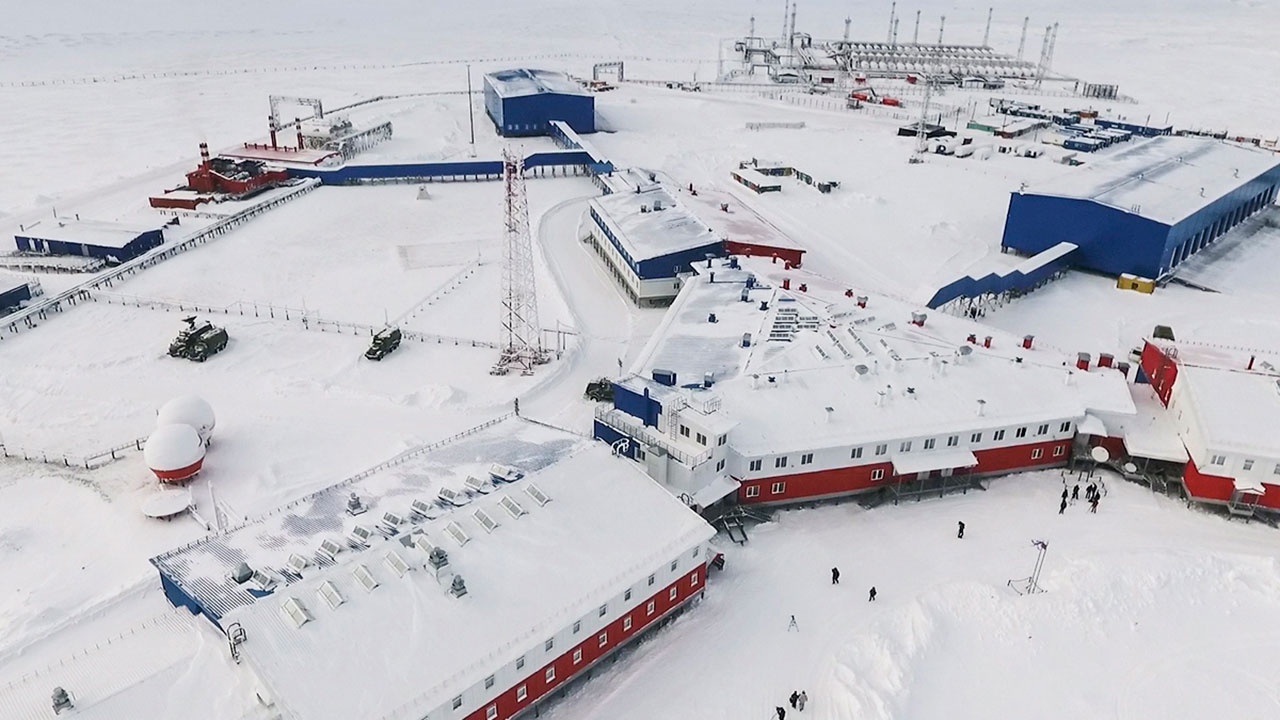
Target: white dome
[(188, 410), (173, 447)]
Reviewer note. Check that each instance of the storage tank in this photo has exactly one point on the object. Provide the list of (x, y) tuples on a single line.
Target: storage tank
[(189, 410), (174, 453)]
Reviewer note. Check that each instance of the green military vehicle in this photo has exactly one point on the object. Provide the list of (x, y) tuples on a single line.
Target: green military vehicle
[(198, 341), (600, 390), (385, 341)]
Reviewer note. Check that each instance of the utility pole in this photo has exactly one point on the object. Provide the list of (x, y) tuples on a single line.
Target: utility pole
[(847, 22), (1022, 43), (915, 36), (893, 11), (986, 36), (942, 25), (471, 112), (786, 13)]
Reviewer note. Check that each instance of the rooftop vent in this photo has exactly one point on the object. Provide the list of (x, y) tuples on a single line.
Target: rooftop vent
[(392, 521), (296, 612), (330, 549), (477, 485), (458, 587), (265, 582), (438, 558), (241, 573), (61, 700), (361, 534), (364, 577), (485, 520), (457, 533), (513, 508), (396, 563), (297, 564), (453, 497), (424, 510), (355, 505), (536, 493), (504, 473), (330, 595)]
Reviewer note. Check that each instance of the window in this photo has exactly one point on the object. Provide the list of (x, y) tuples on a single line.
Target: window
[(488, 682), (754, 490), (999, 435), (577, 627), (975, 438), (649, 609), (953, 441), (905, 446), (604, 610), (577, 656), (550, 643), (780, 462), (491, 713), (674, 564), (855, 453), (882, 449), (693, 580), (778, 488), (702, 439), (877, 474), (626, 623), (720, 466), (1037, 453), (651, 580), (1248, 465), (457, 702), (627, 595), (551, 674), (1043, 429), (1059, 450), (1276, 471), (603, 639), (1065, 427), (684, 430), (519, 662), (755, 465), (522, 692), (1218, 460), (928, 444), (697, 551), (1022, 432), (722, 439), (806, 458), (672, 594)]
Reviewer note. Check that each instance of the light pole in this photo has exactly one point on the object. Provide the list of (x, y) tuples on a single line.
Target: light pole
[(471, 113)]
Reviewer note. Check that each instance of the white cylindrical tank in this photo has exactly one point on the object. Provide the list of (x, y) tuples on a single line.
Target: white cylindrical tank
[(189, 410), (174, 452)]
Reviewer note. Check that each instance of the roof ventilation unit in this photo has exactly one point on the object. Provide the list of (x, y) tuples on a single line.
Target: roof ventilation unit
[(365, 578), (355, 506), (330, 595), (486, 522), (297, 564), (391, 523), (423, 543), (453, 497), (360, 535), (241, 573), (424, 510), (396, 563), (265, 582), (504, 473), (61, 701), (513, 508), (330, 549), (536, 493), (458, 587), (475, 484), (438, 558), (296, 612), (457, 533)]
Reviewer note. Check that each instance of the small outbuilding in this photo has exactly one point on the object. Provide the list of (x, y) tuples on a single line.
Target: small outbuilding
[(523, 102), (114, 242)]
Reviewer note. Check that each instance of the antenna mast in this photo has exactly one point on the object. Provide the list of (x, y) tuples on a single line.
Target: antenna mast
[(521, 339), (915, 36), (1022, 43)]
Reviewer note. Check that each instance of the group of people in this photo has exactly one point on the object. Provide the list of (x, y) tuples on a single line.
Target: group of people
[(1092, 495), (835, 580), (798, 699)]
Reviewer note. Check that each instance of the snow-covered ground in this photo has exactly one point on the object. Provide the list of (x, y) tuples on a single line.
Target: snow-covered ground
[(112, 100), (1149, 611)]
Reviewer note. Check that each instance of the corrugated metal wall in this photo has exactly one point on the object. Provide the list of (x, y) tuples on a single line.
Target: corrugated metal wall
[(1110, 240)]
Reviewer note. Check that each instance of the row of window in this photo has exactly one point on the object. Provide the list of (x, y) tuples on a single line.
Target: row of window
[(522, 692), (1246, 466), (882, 449), (700, 438), (780, 487)]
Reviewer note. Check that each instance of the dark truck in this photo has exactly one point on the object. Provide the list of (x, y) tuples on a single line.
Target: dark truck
[(198, 341), (385, 341)]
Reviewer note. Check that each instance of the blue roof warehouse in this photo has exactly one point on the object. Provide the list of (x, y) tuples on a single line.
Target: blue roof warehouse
[(523, 102), (1146, 209)]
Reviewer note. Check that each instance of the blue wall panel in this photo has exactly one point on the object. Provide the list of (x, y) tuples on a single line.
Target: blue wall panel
[(611, 436), (11, 298), (973, 287), (179, 598), (529, 115), (668, 265), (139, 245), (636, 404), (1110, 240)]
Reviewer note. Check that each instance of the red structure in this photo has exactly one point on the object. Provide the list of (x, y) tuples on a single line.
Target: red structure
[(218, 179), (1160, 370), (789, 254)]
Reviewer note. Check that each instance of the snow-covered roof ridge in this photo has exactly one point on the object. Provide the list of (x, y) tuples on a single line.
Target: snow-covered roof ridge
[(530, 81)]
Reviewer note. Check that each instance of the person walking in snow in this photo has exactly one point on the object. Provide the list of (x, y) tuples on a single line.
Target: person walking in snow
[(1093, 504), (1075, 493), (871, 597), (793, 625), (795, 697), (804, 698), (960, 532), (782, 713), (835, 576), (1064, 493), (1063, 507)]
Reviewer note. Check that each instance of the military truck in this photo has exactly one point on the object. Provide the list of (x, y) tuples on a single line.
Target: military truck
[(198, 341), (386, 340), (600, 389)]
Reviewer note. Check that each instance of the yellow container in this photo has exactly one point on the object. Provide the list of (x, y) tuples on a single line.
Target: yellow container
[(1133, 282)]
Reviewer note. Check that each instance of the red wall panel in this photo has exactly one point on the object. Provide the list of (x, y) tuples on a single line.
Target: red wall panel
[(1160, 369)]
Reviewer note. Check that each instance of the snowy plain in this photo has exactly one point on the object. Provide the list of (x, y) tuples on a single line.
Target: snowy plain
[(112, 100)]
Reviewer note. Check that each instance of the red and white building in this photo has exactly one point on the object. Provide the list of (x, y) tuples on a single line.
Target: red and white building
[(1225, 406), (353, 616), (814, 392)]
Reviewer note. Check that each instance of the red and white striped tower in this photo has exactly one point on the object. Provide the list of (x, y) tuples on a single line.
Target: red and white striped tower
[(521, 340)]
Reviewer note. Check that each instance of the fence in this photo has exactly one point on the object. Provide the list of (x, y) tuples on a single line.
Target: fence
[(24, 319), (88, 462)]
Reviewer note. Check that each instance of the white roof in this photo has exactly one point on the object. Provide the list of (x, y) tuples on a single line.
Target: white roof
[(526, 81), (173, 447), (1163, 176), (927, 392), (528, 578), (1238, 411), (758, 177), (653, 234), (188, 410), (911, 463), (1149, 433), (87, 232)]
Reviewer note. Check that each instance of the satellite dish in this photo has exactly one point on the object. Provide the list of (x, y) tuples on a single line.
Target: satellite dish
[(1100, 454), (1130, 468)]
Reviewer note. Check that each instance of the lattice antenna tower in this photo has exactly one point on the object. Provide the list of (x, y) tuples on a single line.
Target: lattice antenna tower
[(1046, 52), (521, 339)]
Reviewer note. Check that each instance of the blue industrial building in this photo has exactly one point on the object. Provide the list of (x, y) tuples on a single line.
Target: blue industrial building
[(1146, 209), (523, 102), (112, 242), (13, 294)]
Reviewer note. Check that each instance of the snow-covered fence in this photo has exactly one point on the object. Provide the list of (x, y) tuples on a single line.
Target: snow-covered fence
[(92, 461), (26, 318), (775, 125)]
